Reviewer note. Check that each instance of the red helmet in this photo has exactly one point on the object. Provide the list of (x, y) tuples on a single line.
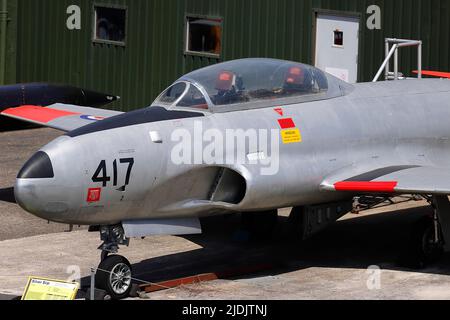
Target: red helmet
[(225, 81)]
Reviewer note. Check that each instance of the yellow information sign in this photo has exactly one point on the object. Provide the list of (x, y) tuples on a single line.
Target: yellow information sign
[(47, 289), (291, 136)]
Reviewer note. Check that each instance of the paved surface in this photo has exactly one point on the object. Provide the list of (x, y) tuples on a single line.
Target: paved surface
[(332, 265), (16, 148)]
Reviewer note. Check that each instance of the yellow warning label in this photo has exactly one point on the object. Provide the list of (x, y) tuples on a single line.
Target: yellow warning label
[(46, 289), (291, 136)]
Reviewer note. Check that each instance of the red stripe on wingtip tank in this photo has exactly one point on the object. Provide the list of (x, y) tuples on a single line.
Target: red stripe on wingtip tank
[(38, 114), (366, 186)]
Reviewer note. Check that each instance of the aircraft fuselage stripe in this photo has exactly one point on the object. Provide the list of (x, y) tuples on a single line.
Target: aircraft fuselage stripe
[(366, 186)]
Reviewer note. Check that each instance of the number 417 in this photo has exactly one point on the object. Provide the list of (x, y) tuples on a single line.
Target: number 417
[(101, 175)]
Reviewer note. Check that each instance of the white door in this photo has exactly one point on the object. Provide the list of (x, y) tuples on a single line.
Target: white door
[(337, 46)]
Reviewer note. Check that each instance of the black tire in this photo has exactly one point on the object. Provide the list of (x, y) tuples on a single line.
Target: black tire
[(114, 276), (422, 249)]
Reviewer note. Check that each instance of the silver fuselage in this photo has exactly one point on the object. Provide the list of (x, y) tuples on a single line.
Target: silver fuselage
[(405, 122)]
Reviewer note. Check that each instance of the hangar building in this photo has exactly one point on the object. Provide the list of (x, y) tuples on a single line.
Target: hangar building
[(136, 48)]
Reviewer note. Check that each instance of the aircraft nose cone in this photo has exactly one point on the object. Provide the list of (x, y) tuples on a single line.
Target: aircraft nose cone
[(34, 191)]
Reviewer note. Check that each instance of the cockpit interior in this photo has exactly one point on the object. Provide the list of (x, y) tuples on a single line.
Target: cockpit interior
[(248, 84)]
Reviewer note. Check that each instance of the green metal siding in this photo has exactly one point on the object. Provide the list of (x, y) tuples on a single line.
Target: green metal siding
[(154, 57), (8, 47)]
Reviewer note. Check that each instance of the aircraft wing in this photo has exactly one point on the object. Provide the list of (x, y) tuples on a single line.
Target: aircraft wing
[(59, 116), (393, 179)]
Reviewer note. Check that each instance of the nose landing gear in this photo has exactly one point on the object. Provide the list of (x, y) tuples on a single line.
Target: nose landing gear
[(114, 273), (114, 276)]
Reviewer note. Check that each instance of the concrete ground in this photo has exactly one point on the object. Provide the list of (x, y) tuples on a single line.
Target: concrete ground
[(16, 147), (332, 265)]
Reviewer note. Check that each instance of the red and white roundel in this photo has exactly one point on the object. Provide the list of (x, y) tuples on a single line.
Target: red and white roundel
[(92, 118)]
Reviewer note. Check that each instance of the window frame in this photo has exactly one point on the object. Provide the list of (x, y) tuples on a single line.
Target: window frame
[(186, 36), (177, 100), (174, 105), (95, 40)]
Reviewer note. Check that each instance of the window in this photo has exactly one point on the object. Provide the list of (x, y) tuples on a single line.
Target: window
[(193, 99), (110, 25), (204, 36), (338, 38), (255, 80), (173, 93)]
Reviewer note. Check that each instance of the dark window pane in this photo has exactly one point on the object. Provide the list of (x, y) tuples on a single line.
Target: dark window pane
[(338, 38), (205, 36), (110, 24)]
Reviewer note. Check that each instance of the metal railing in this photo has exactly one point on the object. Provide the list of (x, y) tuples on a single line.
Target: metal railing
[(393, 51)]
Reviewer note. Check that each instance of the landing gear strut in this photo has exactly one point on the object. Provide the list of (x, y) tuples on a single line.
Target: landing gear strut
[(427, 244), (114, 274), (431, 235)]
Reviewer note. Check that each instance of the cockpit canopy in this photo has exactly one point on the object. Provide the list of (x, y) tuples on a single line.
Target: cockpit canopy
[(250, 83)]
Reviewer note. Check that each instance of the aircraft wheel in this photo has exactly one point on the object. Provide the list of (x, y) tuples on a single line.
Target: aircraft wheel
[(114, 276), (425, 250), (430, 251)]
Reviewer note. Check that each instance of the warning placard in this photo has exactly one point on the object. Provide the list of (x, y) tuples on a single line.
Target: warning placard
[(46, 289), (291, 136)]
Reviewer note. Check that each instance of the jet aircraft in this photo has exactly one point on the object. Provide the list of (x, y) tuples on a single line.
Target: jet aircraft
[(319, 143)]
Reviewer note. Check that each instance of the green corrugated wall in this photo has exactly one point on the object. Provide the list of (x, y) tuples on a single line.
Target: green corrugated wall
[(153, 57)]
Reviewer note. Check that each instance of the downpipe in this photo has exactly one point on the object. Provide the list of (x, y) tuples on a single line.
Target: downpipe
[(3, 32)]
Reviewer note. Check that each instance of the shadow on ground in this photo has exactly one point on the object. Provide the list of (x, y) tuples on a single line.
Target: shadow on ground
[(7, 195), (355, 243), (9, 125)]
